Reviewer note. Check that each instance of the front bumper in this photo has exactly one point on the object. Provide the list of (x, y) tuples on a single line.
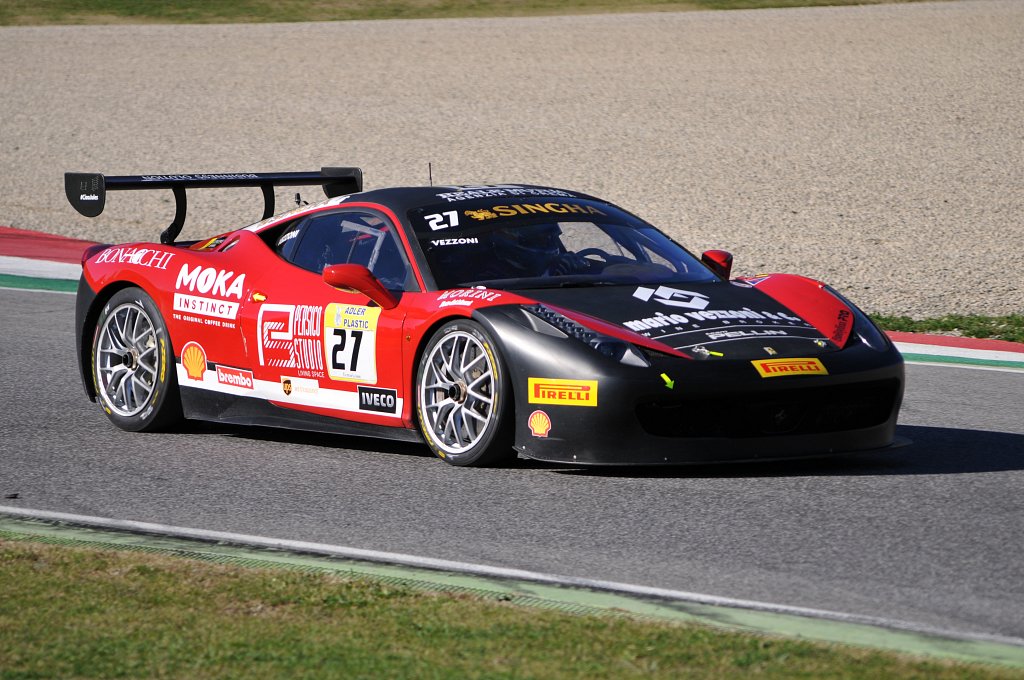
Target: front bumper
[(682, 411)]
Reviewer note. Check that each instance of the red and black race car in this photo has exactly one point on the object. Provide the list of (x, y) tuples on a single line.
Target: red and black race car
[(485, 321)]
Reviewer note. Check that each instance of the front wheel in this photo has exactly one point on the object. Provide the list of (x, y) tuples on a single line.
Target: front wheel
[(132, 364), (464, 398)]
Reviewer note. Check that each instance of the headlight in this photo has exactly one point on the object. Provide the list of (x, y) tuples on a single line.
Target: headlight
[(613, 348), (863, 327)]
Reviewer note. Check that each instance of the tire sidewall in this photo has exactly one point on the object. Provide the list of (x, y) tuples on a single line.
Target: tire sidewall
[(495, 444), (163, 406)]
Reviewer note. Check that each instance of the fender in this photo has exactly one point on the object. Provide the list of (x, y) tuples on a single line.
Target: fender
[(811, 301)]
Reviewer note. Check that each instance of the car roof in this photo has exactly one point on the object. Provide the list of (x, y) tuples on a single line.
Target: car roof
[(412, 197)]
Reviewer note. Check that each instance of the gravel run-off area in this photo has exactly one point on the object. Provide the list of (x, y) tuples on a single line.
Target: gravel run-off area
[(878, 148)]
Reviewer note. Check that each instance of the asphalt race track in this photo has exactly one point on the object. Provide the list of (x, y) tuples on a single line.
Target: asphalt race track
[(932, 534)]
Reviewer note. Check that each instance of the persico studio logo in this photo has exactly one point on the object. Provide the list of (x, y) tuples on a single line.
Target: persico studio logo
[(562, 392), (776, 368)]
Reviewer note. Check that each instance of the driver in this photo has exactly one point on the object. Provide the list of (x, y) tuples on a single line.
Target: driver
[(535, 250)]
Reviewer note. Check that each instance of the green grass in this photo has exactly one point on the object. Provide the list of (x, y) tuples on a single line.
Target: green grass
[(46, 12), (84, 613), (1009, 327)]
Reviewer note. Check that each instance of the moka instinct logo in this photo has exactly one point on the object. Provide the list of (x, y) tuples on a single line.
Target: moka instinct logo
[(208, 281)]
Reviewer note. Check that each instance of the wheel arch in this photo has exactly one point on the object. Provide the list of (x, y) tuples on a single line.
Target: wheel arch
[(484, 317), (89, 305)]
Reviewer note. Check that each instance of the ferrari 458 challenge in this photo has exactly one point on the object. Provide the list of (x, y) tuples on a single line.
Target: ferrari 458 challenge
[(486, 321)]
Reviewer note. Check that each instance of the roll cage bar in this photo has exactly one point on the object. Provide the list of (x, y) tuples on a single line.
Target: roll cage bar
[(87, 191)]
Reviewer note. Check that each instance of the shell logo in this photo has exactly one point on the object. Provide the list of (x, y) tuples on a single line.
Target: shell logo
[(540, 424), (193, 358)]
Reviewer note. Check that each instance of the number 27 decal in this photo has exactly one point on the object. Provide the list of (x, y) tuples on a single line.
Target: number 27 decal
[(449, 218), (350, 342)]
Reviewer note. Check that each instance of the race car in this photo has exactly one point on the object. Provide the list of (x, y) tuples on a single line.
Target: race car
[(486, 321)]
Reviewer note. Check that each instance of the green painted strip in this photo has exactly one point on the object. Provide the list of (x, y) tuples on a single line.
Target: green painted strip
[(526, 593), (970, 361), (36, 283)]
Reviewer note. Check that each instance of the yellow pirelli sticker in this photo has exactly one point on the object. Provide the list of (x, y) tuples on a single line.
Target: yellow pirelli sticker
[(774, 368), (562, 392)]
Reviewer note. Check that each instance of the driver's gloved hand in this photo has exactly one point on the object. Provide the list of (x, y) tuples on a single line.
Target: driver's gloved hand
[(569, 263)]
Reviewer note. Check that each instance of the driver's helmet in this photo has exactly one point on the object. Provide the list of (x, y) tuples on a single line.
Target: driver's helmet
[(529, 249)]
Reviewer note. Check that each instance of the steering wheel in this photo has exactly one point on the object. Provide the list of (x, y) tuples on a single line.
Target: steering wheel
[(607, 257)]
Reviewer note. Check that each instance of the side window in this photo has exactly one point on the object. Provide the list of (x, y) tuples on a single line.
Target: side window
[(286, 242), (351, 238)]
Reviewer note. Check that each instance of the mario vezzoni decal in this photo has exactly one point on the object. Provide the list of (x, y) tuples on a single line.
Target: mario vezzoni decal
[(350, 342)]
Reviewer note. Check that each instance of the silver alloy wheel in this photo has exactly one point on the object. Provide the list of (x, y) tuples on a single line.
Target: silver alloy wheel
[(126, 360), (457, 392)]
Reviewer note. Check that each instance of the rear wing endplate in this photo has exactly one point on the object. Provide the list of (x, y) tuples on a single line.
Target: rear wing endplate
[(87, 191)]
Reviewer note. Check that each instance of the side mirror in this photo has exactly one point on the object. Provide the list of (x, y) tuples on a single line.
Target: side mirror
[(719, 261), (355, 278)]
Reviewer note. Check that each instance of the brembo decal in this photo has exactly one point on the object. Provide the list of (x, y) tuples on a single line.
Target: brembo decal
[(235, 377)]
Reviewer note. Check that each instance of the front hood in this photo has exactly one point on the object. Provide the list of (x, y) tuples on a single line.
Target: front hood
[(730, 320)]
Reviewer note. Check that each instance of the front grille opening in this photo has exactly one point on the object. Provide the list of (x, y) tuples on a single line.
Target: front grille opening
[(792, 411)]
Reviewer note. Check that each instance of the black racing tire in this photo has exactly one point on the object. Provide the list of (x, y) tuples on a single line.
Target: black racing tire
[(464, 399), (133, 364)]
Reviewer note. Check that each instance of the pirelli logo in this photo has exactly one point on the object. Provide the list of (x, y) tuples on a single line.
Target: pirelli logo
[(563, 392), (774, 368)]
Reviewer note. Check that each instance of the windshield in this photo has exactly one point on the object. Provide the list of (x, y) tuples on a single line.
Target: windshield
[(561, 243)]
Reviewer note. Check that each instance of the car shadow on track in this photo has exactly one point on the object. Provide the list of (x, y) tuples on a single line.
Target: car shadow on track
[(932, 451), (304, 438)]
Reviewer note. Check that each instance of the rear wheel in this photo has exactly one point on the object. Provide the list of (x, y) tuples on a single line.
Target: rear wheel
[(132, 364), (464, 398)]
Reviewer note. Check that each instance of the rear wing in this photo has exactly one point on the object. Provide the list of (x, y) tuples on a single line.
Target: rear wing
[(87, 191)]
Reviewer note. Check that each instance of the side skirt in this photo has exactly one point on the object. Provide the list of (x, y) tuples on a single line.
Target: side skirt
[(200, 404)]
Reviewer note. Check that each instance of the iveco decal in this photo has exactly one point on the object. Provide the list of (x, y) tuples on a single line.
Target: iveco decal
[(673, 297)]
